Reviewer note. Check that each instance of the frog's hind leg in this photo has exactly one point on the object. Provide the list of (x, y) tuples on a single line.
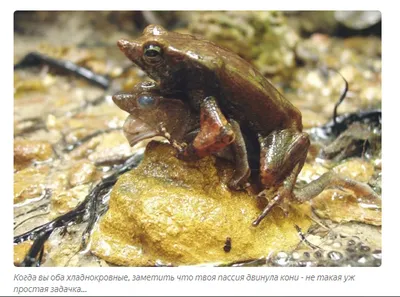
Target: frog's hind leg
[(285, 191), (282, 157), (332, 179), (283, 154), (242, 168)]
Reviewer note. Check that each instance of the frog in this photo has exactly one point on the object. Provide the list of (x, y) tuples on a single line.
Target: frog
[(152, 114), (205, 72)]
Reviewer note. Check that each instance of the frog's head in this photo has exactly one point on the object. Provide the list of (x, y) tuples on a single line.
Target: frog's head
[(158, 52), (149, 111)]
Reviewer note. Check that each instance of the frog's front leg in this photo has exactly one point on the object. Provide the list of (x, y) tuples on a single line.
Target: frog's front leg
[(283, 154), (215, 132), (236, 152)]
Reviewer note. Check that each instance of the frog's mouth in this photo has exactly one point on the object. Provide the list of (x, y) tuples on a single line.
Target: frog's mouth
[(136, 130), (136, 138)]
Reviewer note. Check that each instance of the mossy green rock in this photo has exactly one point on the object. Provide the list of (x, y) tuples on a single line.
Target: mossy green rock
[(167, 211)]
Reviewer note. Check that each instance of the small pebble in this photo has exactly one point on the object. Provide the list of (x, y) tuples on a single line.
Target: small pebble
[(337, 245), (351, 242), (318, 254), (377, 254), (295, 255), (281, 258), (365, 248), (333, 255), (351, 250)]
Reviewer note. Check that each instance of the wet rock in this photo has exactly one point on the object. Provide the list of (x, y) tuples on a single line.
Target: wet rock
[(262, 37), (356, 140), (312, 49), (310, 172), (28, 151), (341, 207), (307, 22), (357, 169), (81, 173), (30, 183), (312, 119), (371, 46), (99, 117), (318, 89), (58, 181), (68, 200), (112, 148), (173, 212), (22, 86), (336, 249), (64, 250), (328, 22), (371, 94), (20, 251), (358, 20)]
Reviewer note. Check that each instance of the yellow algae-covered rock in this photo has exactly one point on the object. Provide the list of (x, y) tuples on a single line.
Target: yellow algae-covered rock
[(181, 213)]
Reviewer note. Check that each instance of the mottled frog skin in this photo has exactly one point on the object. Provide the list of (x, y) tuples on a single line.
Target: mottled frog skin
[(222, 87)]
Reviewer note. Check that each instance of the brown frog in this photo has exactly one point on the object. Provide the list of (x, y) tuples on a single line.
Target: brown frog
[(205, 72)]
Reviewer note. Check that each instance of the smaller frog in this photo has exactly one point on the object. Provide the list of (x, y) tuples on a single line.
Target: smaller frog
[(151, 114)]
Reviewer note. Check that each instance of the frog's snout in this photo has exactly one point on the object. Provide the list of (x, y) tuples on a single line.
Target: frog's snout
[(125, 101), (123, 45)]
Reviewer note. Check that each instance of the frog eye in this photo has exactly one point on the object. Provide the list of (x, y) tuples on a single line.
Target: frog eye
[(152, 53), (146, 101)]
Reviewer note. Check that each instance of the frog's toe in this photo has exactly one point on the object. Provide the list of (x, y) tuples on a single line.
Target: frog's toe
[(285, 209), (233, 185), (237, 185), (271, 204), (276, 201), (187, 153), (179, 147)]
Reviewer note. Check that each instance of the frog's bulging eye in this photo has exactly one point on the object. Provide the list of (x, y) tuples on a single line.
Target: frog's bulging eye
[(152, 53), (146, 101)]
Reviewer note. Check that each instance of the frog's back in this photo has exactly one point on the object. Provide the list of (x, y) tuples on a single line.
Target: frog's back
[(244, 92), (251, 94)]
